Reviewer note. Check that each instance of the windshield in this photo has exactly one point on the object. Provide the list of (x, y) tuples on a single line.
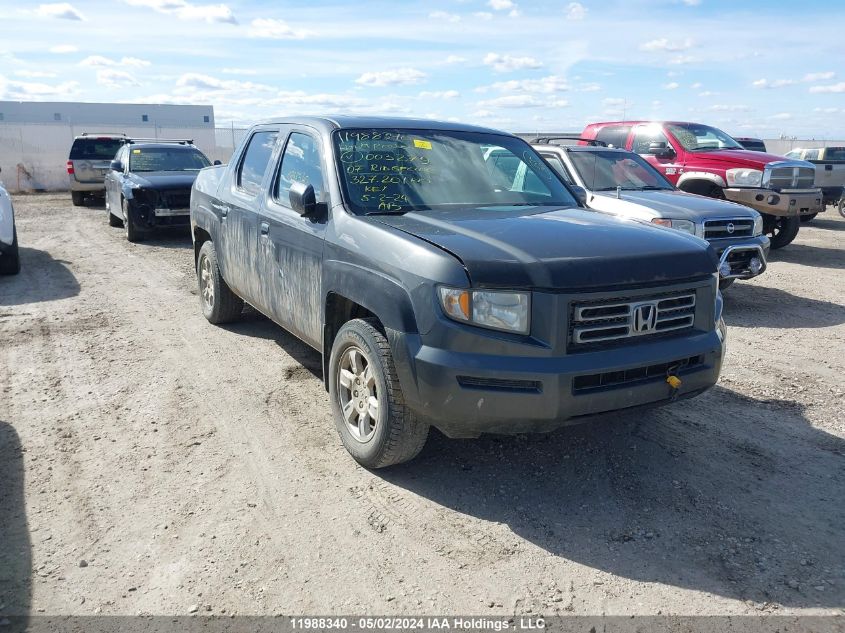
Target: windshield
[(701, 138), (166, 159), (95, 148), (396, 171), (607, 170)]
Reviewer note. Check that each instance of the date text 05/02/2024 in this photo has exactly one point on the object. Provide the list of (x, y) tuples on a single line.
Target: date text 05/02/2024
[(400, 623)]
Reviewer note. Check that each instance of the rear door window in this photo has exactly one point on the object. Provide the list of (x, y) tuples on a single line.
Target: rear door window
[(614, 135), (559, 168), (834, 153), (255, 161), (95, 148)]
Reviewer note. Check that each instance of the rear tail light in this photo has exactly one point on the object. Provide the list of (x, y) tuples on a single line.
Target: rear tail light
[(70, 167)]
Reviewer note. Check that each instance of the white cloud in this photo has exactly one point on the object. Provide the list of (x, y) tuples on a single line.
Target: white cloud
[(728, 108), (591, 87), (827, 110), (36, 91), (34, 74), (440, 94), (682, 59), (62, 10), (239, 71), (691, 3), (99, 60), (665, 45), (186, 11), (696, 85), (275, 29), (398, 77), (111, 78), (707, 93), (455, 59), (840, 87), (483, 15), (823, 76), (544, 85), (777, 83), (522, 101), (501, 5), (63, 49), (672, 85), (508, 63), (576, 11), (445, 16), (781, 116)]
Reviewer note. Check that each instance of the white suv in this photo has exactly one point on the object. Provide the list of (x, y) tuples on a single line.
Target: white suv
[(10, 263)]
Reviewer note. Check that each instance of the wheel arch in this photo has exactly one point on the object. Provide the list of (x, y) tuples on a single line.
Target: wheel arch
[(700, 182)]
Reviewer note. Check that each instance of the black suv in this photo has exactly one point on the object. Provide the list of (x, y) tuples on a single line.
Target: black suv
[(439, 292), (149, 185)]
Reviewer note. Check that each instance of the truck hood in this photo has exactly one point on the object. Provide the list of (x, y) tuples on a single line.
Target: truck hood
[(735, 158), (164, 179), (674, 204), (531, 247)]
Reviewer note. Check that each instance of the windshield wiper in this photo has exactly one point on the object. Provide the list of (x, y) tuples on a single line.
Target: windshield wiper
[(388, 212), (650, 188)]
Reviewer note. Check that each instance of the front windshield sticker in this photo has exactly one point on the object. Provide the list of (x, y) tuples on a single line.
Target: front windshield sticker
[(422, 144), (136, 151)]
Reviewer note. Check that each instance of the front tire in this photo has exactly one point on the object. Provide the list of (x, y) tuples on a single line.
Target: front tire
[(132, 233), (374, 423), (10, 262), (78, 198), (781, 230), (219, 304), (841, 207)]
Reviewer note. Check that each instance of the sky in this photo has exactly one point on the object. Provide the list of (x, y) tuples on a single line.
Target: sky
[(753, 68)]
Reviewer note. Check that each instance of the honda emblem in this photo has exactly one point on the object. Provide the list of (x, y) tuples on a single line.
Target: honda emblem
[(644, 319)]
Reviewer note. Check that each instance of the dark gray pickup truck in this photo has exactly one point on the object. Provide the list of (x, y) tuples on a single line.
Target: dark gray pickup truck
[(441, 294)]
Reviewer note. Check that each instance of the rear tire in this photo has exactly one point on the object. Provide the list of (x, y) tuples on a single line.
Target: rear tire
[(78, 198), (781, 230), (219, 304), (375, 425), (841, 207), (808, 217), (10, 261)]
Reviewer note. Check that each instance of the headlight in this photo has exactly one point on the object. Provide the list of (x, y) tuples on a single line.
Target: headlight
[(744, 177), (758, 225), (496, 310), (687, 226)]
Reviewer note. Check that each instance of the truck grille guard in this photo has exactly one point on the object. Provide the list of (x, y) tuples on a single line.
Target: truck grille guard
[(738, 262)]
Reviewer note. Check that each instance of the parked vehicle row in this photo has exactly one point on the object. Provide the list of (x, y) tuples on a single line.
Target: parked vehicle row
[(622, 183), (704, 160), (10, 263), (442, 291)]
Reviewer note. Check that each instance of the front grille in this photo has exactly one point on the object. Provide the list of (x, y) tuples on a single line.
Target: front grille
[(730, 227), (792, 177), (596, 323), (608, 379), (175, 199)]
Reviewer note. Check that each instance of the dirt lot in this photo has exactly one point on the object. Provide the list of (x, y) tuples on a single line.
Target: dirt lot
[(153, 463)]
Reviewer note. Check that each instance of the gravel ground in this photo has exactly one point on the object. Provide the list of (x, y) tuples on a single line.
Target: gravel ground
[(151, 463)]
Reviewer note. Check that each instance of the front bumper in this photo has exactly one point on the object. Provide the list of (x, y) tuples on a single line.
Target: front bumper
[(779, 203), (149, 216), (738, 255), (465, 394)]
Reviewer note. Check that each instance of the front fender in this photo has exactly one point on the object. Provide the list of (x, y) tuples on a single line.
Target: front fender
[(701, 175)]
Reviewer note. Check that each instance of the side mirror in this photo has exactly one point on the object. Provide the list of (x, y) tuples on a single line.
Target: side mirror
[(116, 165), (303, 200), (660, 149), (580, 194), (217, 162)]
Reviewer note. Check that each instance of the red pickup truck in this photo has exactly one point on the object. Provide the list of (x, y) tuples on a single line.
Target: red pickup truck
[(704, 160)]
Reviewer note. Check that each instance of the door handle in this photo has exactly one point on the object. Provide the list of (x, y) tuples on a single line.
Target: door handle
[(828, 167), (222, 208), (265, 229)]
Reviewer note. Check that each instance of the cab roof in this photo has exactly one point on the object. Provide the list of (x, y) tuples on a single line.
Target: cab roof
[(330, 123)]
